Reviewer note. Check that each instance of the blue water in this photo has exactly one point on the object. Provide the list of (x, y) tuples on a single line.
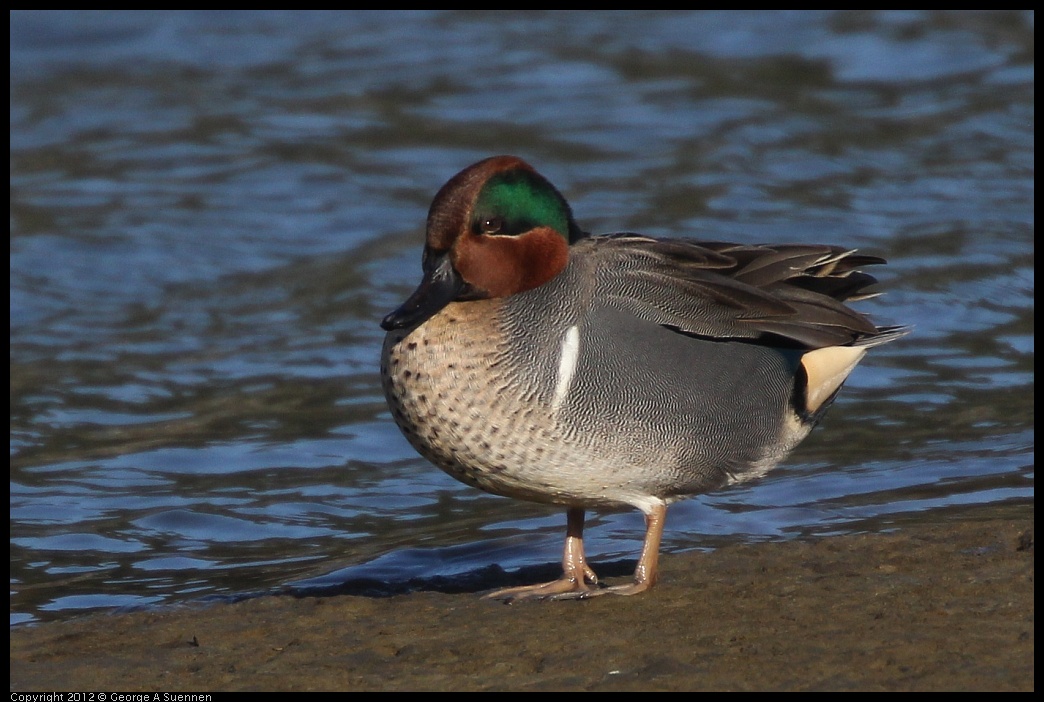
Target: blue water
[(211, 211)]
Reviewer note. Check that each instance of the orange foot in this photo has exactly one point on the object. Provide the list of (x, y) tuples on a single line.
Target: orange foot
[(578, 581)]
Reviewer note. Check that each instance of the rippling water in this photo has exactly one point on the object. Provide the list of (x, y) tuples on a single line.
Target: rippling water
[(210, 212)]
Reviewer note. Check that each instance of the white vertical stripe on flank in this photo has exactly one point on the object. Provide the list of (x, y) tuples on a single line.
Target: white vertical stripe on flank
[(566, 366)]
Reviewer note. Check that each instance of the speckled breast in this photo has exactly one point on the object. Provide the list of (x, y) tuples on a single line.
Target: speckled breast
[(463, 405)]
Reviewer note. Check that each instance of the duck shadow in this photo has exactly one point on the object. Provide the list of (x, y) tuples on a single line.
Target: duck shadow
[(491, 577)]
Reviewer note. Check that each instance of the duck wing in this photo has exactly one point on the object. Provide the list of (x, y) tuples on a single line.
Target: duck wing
[(789, 295)]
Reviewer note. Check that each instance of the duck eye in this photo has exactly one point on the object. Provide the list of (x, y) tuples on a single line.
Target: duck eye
[(492, 225)]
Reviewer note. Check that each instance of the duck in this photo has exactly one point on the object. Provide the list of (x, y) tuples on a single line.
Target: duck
[(539, 362)]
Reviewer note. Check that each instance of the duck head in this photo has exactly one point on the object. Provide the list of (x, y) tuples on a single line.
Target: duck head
[(495, 229)]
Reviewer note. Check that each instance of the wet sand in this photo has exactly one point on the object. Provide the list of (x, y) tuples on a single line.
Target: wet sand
[(932, 607)]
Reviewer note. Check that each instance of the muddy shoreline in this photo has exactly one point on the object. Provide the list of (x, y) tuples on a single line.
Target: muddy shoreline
[(944, 606)]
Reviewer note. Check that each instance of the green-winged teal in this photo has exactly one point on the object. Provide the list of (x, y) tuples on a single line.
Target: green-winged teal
[(538, 362)]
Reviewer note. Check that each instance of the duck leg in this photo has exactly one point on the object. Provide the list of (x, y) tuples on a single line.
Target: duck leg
[(573, 585), (577, 577), (648, 563)]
